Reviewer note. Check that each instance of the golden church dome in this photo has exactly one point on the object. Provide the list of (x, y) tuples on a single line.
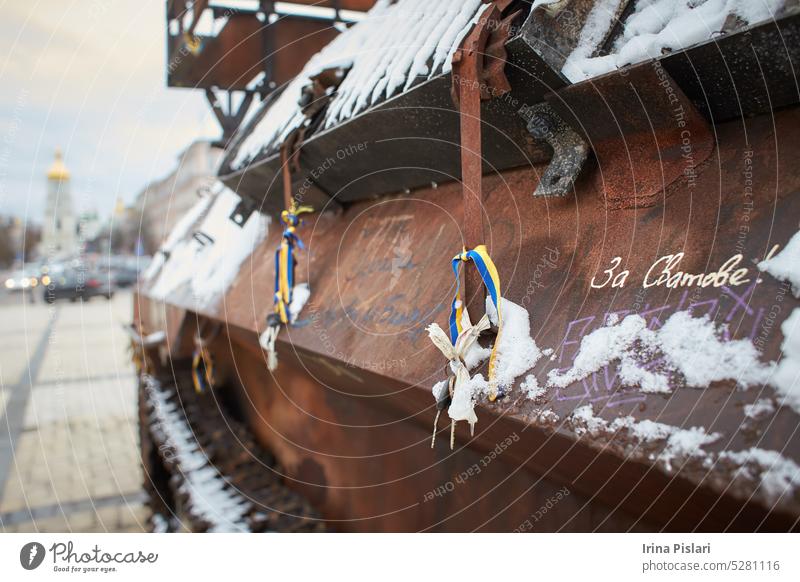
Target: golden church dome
[(58, 171)]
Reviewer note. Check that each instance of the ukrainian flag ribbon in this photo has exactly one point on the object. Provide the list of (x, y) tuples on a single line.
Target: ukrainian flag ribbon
[(284, 260), (488, 272), (202, 369)]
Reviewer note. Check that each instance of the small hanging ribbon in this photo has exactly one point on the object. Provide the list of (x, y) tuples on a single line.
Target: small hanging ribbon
[(488, 272), (463, 335), (458, 374), (137, 357), (284, 260), (203, 376), (284, 280), (202, 369)]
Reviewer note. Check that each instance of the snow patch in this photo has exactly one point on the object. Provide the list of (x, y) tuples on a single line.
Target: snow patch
[(530, 385), (475, 355), (785, 266), (694, 348), (585, 421), (439, 390), (759, 409), (300, 295), (216, 265), (685, 443), (545, 416), (517, 351), (176, 235), (679, 442), (685, 345), (209, 268), (777, 474), (629, 342), (657, 27), (786, 379), (598, 25), (650, 431)]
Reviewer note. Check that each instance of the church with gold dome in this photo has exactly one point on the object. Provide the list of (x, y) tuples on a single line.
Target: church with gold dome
[(59, 231)]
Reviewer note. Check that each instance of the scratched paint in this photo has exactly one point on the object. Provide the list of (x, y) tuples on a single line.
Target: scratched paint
[(395, 314)]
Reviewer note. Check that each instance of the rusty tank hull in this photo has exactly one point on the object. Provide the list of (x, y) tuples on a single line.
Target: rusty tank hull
[(339, 436)]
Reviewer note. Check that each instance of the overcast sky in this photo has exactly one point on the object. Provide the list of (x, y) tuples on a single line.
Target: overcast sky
[(88, 76)]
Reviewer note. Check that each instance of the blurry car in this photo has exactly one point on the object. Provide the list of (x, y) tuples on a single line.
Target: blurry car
[(76, 284), (124, 270), (124, 277), (22, 280)]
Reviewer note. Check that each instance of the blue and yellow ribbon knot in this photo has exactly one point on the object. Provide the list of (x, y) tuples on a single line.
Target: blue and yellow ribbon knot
[(491, 280), (284, 260), (202, 369)]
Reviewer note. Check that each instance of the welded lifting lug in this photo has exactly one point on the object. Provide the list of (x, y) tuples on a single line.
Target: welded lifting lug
[(570, 150)]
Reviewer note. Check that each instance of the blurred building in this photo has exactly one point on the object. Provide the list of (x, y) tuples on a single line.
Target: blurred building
[(59, 231), (162, 202)]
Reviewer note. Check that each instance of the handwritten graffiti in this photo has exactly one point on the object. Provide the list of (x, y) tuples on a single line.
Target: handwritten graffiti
[(731, 307), (389, 265), (395, 313)]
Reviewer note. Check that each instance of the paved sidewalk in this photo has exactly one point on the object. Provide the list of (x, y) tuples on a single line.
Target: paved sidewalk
[(68, 434)]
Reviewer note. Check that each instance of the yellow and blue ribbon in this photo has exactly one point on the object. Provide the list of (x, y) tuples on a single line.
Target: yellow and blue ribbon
[(284, 260), (202, 369), (488, 272)]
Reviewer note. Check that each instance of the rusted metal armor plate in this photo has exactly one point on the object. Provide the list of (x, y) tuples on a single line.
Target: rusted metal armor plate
[(349, 410), (409, 140)]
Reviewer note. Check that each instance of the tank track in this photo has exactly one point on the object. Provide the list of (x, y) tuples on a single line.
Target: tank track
[(204, 471)]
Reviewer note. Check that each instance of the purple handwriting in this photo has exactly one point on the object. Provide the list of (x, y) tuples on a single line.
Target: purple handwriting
[(604, 385)]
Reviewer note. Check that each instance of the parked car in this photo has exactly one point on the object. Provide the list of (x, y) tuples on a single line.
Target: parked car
[(74, 284), (124, 270), (124, 277), (22, 280)]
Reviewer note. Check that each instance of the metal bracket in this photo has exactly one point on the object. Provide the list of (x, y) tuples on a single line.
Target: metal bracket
[(242, 212), (230, 117), (570, 150)]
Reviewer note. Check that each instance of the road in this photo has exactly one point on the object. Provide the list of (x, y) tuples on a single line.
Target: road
[(68, 434)]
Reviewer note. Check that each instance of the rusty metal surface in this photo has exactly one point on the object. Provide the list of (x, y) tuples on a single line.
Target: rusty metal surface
[(354, 382), (367, 466), (245, 46), (228, 61), (644, 132), (294, 41), (408, 141)]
